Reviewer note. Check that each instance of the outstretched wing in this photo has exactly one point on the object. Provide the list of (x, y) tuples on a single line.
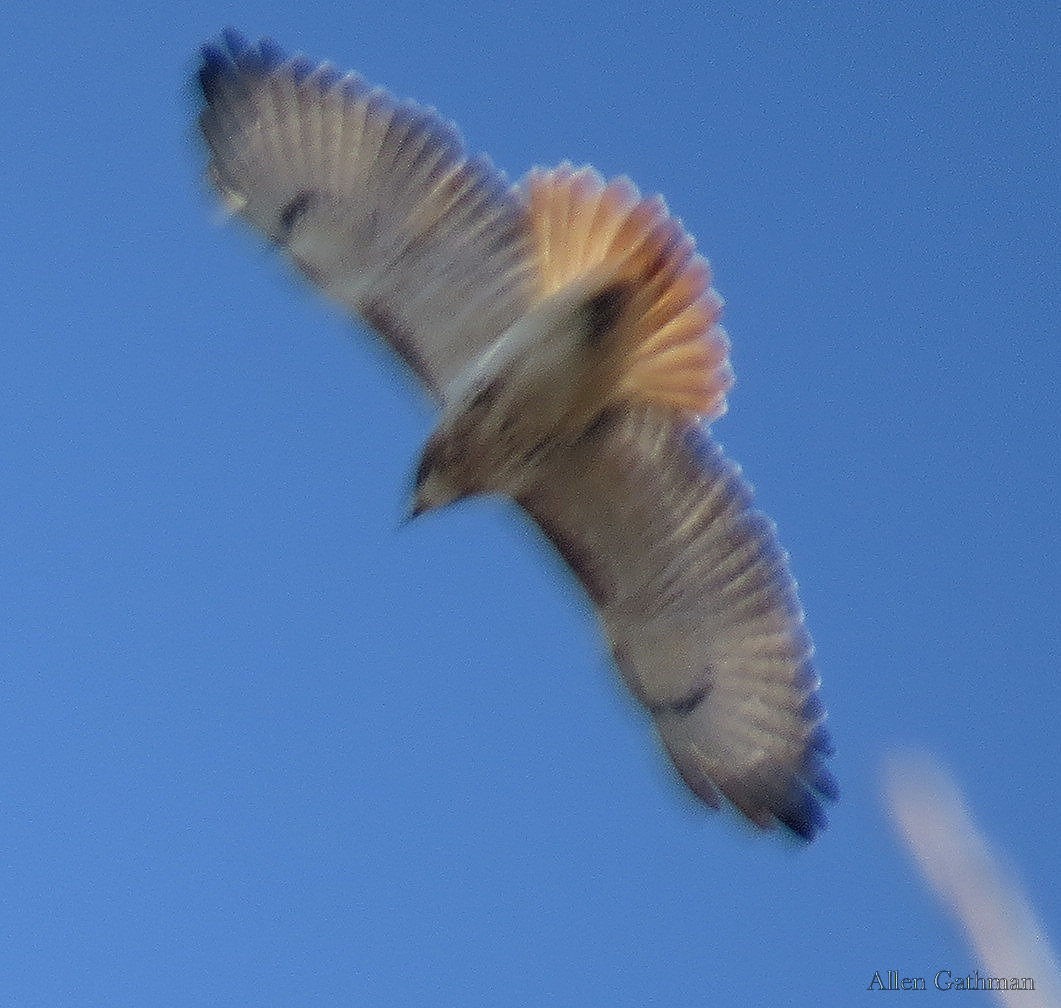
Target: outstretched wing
[(373, 198), (695, 596)]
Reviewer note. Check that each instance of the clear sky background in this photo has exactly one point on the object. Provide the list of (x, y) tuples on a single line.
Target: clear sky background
[(262, 746)]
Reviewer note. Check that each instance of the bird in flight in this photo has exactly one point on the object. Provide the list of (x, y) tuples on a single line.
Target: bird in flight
[(569, 332)]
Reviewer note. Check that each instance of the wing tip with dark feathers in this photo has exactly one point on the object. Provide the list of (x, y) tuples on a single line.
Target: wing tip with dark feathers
[(799, 804), (803, 815), (218, 60), (215, 66), (231, 55), (802, 811), (799, 807)]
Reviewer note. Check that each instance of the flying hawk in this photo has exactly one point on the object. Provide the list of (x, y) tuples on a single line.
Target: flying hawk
[(570, 334)]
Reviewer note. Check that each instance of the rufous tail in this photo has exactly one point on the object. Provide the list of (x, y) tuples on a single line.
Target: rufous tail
[(675, 354)]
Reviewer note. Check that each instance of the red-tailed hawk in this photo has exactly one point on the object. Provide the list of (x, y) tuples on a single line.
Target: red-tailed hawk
[(569, 331)]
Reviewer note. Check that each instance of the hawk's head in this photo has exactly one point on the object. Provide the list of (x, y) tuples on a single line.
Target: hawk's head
[(437, 477)]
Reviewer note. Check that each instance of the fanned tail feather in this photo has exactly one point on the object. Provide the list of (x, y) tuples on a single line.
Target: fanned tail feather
[(675, 353)]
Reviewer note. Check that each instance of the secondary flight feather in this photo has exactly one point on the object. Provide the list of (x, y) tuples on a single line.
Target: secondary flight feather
[(570, 334)]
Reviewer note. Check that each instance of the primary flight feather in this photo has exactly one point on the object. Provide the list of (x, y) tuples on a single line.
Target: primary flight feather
[(568, 329)]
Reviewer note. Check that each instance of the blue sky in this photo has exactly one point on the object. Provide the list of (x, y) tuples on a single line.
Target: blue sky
[(263, 746)]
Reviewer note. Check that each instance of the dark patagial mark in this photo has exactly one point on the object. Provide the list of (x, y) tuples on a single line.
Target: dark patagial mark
[(382, 319), (577, 555), (685, 704), (302, 203), (688, 703)]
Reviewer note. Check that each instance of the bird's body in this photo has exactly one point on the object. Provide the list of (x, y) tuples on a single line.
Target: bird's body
[(569, 331), (534, 392)]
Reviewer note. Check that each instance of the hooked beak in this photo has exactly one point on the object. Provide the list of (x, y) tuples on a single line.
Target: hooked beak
[(431, 493), (415, 508)]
